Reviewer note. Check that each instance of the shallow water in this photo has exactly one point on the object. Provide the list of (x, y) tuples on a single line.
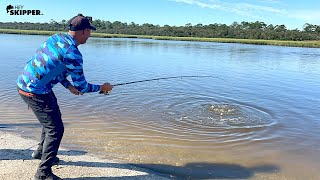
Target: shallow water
[(258, 117)]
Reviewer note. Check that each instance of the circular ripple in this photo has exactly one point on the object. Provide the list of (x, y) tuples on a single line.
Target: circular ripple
[(181, 119), (219, 114)]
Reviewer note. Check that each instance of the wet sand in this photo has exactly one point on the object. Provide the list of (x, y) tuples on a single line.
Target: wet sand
[(16, 163)]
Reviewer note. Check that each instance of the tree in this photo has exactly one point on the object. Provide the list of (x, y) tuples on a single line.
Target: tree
[(309, 27), (280, 28), (243, 30)]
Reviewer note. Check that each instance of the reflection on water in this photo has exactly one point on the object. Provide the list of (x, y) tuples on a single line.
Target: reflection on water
[(257, 120)]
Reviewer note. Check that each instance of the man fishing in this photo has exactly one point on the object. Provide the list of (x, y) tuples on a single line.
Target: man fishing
[(56, 59)]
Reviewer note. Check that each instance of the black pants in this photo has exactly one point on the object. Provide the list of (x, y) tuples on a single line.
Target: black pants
[(47, 111)]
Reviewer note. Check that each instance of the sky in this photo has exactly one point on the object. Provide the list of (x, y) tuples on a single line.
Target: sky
[(292, 13)]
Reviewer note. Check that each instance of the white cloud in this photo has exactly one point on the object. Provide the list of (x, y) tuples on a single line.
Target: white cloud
[(270, 1), (252, 7), (244, 9), (310, 16), (199, 3), (260, 10)]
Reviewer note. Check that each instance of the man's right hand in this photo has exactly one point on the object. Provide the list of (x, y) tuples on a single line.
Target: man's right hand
[(106, 87)]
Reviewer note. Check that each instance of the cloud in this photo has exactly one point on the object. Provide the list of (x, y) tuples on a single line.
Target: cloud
[(244, 9), (252, 7), (270, 1), (199, 3), (310, 16), (260, 10)]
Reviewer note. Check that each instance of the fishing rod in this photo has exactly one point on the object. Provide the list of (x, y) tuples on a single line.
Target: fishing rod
[(156, 79)]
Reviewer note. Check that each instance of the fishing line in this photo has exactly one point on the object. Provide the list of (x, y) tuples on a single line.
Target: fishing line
[(156, 79)]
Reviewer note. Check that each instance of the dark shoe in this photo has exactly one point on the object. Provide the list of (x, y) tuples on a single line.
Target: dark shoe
[(46, 176), (37, 155)]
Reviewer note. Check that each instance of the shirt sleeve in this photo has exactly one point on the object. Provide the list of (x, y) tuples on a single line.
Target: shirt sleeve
[(74, 63), (65, 83)]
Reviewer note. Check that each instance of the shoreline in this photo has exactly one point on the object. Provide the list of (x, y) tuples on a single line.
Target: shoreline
[(303, 44), (16, 163)]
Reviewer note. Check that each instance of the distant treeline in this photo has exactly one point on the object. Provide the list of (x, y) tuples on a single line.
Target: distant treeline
[(243, 30)]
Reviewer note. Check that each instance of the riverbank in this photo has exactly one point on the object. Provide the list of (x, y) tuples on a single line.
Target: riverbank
[(16, 163), (307, 44)]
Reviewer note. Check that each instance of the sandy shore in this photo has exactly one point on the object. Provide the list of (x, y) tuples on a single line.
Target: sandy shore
[(16, 163)]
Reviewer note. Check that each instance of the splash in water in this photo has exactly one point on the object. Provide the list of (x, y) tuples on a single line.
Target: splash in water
[(236, 115)]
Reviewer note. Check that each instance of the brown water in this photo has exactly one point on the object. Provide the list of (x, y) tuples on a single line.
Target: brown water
[(258, 120)]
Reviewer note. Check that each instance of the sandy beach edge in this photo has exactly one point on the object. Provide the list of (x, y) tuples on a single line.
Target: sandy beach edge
[(16, 163)]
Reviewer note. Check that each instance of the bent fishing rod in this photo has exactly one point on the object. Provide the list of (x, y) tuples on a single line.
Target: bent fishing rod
[(156, 79)]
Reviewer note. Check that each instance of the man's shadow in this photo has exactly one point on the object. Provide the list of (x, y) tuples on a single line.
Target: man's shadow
[(13, 125), (204, 170), (197, 170), (25, 154)]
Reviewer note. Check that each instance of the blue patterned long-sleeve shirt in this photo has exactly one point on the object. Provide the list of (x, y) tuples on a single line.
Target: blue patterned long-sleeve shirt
[(53, 62)]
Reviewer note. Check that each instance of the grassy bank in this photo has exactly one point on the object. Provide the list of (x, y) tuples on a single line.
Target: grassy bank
[(312, 44)]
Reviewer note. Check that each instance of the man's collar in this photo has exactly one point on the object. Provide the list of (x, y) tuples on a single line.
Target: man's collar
[(74, 42)]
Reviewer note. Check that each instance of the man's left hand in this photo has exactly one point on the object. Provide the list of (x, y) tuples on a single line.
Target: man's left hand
[(74, 91)]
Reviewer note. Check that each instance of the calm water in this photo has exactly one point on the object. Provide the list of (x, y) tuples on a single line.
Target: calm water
[(259, 119)]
